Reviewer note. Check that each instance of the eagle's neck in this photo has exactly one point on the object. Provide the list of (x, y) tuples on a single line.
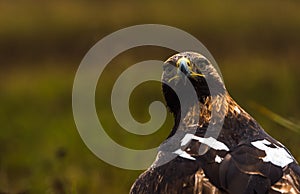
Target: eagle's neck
[(195, 120), (211, 110)]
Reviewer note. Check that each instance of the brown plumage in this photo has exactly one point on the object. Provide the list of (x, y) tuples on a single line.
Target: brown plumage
[(214, 146)]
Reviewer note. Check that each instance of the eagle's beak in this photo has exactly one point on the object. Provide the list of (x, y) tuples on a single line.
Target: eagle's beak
[(184, 65)]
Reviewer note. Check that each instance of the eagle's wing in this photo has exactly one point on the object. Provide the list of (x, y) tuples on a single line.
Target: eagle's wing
[(247, 169), (179, 176)]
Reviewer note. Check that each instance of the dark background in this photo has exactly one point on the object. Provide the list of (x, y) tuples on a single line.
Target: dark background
[(255, 43)]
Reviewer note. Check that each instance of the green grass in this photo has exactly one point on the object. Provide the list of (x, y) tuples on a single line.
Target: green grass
[(41, 45)]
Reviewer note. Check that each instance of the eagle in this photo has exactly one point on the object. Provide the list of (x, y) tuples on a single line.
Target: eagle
[(214, 146)]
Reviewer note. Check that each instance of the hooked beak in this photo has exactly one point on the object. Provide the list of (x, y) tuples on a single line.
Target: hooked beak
[(184, 65)]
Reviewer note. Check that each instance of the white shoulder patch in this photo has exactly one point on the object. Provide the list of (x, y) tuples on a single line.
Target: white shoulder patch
[(186, 139), (210, 141), (277, 156), (218, 159), (183, 154)]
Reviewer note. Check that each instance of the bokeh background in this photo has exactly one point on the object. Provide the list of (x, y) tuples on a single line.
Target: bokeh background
[(256, 44)]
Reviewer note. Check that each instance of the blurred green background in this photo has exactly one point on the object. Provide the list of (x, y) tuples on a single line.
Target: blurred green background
[(256, 44)]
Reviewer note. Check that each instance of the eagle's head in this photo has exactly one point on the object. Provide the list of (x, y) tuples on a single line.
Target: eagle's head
[(193, 67)]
